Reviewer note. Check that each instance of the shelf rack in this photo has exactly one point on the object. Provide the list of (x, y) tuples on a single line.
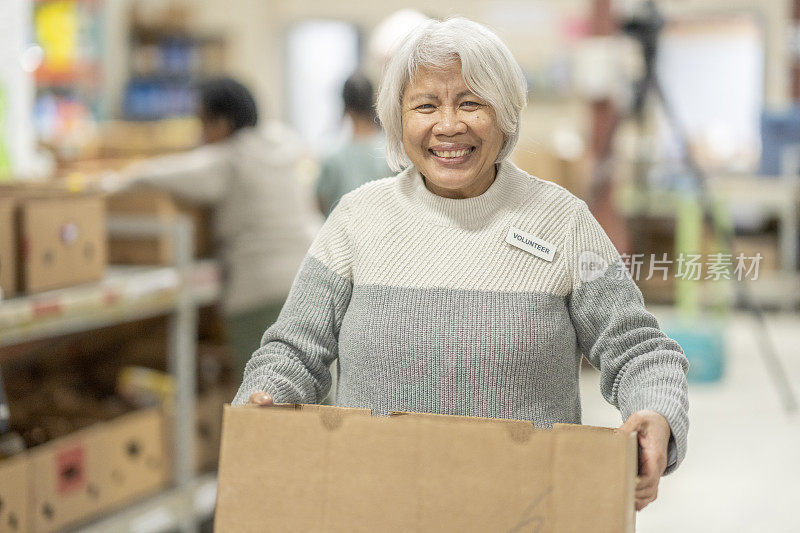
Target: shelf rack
[(134, 293), (776, 196)]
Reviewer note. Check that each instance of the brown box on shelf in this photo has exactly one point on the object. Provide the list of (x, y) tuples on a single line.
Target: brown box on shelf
[(77, 476), (60, 236), (14, 480), (63, 241), (136, 458), (127, 139), (162, 207), (338, 467), (87, 170), (8, 253), (67, 477)]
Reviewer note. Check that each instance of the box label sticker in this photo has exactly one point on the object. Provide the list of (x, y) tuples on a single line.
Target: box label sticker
[(71, 464)]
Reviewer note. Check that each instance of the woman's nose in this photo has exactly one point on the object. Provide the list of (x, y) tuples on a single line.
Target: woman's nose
[(449, 123)]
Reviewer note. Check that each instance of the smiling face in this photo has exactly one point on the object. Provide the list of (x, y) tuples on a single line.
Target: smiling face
[(449, 134)]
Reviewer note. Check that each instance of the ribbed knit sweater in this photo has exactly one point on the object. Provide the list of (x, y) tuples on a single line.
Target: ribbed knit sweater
[(426, 306)]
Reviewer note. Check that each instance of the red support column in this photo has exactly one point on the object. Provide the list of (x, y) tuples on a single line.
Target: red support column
[(795, 59), (604, 122)]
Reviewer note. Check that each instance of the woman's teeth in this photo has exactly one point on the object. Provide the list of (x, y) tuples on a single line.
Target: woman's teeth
[(451, 153)]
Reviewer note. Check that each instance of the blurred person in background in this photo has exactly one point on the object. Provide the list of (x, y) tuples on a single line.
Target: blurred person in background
[(464, 285), (363, 157), (262, 223)]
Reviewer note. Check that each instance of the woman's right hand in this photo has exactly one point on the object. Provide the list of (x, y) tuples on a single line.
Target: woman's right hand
[(261, 399)]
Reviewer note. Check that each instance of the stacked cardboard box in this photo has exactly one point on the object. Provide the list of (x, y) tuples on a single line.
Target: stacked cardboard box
[(14, 476), (87, 451), (162, 207), (8, 252), (317, 468), (51, 238), (124, 139), (83, 473)]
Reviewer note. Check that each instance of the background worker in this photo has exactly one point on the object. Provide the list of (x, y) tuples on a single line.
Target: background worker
[(363, 157), (262, 221)]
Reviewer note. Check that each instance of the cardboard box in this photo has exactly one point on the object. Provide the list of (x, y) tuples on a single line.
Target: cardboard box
[(64, 241), (334, 469), (8, 249), (162, 207), (78, 476), (67, 478), (136, 456), (126, 139), (14, 497), (60, 235)]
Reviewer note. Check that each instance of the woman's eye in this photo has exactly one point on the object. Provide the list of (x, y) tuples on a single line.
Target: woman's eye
[(470, 104), (424, 107)]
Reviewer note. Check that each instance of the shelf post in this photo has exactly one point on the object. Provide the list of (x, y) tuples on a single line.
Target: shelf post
[(182, 366)]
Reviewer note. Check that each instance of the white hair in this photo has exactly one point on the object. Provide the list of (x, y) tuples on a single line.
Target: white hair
[(487, 66)]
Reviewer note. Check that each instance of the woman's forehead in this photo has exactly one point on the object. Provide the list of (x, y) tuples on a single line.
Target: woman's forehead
[(436, 81)]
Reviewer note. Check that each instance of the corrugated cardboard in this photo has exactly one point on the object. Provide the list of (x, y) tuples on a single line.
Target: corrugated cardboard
[(8, 253), (63, 240), (333, 469), (14, 498), (136, 459), (145, 138), (162, 207), (66, 478), (131, 251), (105, 465)]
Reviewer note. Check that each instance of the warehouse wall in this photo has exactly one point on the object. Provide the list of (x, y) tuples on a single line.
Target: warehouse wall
[(256, 29)]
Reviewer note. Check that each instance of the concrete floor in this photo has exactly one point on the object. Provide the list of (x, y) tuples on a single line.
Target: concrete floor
[(742, 469)]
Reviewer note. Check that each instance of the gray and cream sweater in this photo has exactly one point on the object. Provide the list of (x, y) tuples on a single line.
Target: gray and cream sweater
[(426, 305)]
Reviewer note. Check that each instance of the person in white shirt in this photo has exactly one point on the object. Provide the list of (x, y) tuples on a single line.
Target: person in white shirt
[(262, 222)]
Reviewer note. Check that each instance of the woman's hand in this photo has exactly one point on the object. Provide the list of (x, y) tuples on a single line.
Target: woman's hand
[(261, 399), (653, 434)]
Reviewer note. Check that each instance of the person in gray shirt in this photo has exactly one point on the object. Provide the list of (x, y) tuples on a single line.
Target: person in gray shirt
[(363, 157)]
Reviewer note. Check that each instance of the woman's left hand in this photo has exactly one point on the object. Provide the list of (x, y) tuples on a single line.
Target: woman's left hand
[(653, 434)]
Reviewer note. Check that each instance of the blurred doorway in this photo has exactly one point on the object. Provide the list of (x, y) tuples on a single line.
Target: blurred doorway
[(321, 54)]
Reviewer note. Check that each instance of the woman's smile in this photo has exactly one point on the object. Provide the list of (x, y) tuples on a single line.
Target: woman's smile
[(452, 155)]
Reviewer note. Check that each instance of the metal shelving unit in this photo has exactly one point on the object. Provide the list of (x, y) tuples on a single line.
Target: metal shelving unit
[(775, 196), (127, 294)]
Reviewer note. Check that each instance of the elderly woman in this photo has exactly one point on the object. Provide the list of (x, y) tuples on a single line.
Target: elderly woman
[(464, 285)]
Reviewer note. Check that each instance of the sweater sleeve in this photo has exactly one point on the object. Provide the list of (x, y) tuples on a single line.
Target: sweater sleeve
[(201, 175), (641, 368), (292, 364)]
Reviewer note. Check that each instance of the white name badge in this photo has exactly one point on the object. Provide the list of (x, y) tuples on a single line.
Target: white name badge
[(531, 244)]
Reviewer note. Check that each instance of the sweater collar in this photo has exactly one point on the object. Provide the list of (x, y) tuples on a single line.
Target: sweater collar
[(502, 197)]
